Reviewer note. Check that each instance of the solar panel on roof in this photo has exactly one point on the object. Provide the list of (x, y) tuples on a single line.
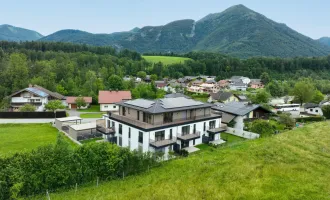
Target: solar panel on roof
[(179, 102), (140, 103), (38, 92)]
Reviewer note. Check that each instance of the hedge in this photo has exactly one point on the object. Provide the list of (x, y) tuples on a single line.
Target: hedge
[(310, 119), (60, 166)]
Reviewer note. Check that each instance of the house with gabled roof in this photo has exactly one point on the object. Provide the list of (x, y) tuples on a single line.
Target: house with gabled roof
[(34, 95), (71, 102), (108, 99)]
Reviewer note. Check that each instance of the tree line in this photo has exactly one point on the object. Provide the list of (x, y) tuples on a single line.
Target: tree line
[(73, 69)]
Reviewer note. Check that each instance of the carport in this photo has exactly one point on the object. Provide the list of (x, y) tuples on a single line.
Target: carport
[(63, 123), (83, 131)]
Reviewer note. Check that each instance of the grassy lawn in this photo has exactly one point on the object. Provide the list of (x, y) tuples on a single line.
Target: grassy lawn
[(91, 140), (166, 60), (231, 138), (93, 108), (291, 165), (91, 115), (25, 137)]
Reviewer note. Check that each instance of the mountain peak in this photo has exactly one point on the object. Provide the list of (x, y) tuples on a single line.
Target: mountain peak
[(12, 33)]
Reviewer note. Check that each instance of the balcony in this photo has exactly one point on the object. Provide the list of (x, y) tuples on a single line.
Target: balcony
[(189, 136), (162, 143), (216, 130), (101, 127), (144, 125)]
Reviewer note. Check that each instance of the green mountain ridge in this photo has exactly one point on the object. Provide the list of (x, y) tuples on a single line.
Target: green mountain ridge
[(237, 31), (12, 33)]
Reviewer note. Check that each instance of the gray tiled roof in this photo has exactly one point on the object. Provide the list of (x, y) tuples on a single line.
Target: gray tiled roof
[(175, 95), (165, 105), (222, 96), (311, 105), (236, 108)]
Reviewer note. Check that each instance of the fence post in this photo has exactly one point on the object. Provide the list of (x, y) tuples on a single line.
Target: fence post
[(123, 174), (76, 189), (97, 182), (47, 194)]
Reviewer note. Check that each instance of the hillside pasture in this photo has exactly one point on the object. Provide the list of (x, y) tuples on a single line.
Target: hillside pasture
[(291, 165), (166, 60)]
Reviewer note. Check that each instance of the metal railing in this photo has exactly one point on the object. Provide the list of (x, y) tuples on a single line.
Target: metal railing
[(162, 143), (189, 135), (146, 125)]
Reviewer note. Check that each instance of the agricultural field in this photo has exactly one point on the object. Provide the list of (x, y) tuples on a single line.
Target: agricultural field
[(25, 137), (291, 165), (166, 60)]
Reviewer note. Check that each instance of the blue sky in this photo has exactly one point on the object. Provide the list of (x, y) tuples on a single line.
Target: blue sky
[(311, 18)]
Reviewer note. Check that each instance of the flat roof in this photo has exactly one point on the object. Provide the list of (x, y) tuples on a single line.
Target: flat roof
[(67, 119), (81, 127)]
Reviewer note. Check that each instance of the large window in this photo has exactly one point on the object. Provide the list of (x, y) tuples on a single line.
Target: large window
[(129, 132), (159, 135), (168, 117), (140, 137), (204, 128), (185, 130), (194, 128), (147, 118), (212, 124), (120, 129), (138, 115)]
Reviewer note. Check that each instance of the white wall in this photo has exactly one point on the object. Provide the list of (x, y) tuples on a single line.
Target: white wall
[(314, 111), (43, 101), (239, 125), (133, 143), (108, 107)]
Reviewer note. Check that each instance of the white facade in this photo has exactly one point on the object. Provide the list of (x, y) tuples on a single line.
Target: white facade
[(108, 107), (28, 98), (237, 87), (314, 111), (245, 80), (133, 143)]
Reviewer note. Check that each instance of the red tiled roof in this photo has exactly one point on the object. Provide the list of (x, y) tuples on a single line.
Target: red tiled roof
[(72, 100), (113, 96)]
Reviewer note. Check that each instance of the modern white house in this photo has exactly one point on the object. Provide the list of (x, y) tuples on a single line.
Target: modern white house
[(162, 125), (108, 99), (34, 95)]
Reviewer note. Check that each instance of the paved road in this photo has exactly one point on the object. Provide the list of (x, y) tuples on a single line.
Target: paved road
[(32, 121)]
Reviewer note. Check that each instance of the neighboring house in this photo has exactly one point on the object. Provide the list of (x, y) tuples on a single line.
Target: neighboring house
[(127, 78), (210, 88), (223, 97), (242, 98), (245, 80), (138, 80), (239, 111), (197, 82), (223, 83), (238, 85), (313, 109), (71, 102), (160, 84), (162, 125), (35, 95), (195, 89), (256, 84), (107, 99)]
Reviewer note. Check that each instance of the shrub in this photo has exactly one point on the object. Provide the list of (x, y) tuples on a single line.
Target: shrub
[(184, 153), (262, 127), (28, 108), (326, 111), (310, 119), (61, 166), (287, 120)]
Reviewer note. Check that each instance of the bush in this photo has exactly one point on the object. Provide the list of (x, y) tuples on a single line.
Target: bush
[(262, 127), (326, 111), (183, 153), (310, 119), (60, 166), (27, 108), (287, 120)]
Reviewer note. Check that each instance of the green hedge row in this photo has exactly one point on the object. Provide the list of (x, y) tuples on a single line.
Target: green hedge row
[(310, 119), (61, 166)]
